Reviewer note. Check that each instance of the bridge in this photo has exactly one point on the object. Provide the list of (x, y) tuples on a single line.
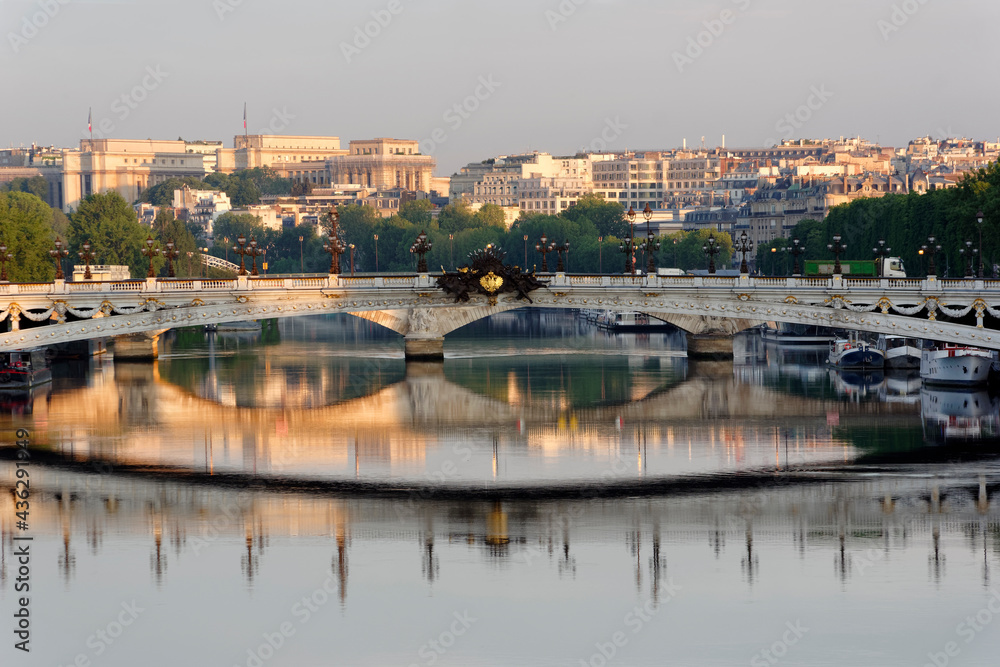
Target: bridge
[(413, 306)]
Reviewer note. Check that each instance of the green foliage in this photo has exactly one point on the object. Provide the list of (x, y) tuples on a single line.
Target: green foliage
[(685, 250), (168, 228), (906, 221), (162, 194), (607, 217), (418, 211), (25, 226), (109, 223), (36, 185), (60, 223), (246, 186), (231, 225), (490, 215), (455, 217)]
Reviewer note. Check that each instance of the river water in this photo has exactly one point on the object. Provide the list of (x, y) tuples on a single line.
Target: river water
[(551, 494)]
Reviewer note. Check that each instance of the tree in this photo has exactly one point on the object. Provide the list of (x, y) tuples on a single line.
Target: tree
[(162, 194), (36, 185), (455, 217), (168, 228), (302, 188), (490, 215), (689, 250), (228, 228), (25, 229), (418, 211), (60, 223), (109, 223), (608, 217)]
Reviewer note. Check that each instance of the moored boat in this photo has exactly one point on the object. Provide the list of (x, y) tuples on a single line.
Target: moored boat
[(24, 369), (948, 364), (855, 354), (632, 322), (900, 352), (797, 334)]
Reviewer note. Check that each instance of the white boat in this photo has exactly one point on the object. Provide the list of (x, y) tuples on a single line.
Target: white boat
[(944, 363), (855, 354), (959, 415), (900, 352)]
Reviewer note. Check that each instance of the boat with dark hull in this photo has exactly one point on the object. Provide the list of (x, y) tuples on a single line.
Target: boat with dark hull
[(855, 354), (24, 369)]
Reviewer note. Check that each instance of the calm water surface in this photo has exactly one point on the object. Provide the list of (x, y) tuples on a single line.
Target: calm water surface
[(550, 495)]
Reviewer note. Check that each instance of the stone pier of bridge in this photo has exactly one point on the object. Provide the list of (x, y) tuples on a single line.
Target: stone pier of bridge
[(708, 337), (137, 347)]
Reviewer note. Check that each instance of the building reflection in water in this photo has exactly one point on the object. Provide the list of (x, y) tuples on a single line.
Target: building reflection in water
[(449, 423)]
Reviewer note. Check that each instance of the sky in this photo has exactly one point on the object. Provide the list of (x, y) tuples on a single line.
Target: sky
[(471, 80)]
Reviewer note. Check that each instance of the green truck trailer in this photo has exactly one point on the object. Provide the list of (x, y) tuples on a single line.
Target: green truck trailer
[(892, 267)]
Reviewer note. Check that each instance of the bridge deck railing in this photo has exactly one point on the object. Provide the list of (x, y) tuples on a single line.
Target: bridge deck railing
[(555, 281)]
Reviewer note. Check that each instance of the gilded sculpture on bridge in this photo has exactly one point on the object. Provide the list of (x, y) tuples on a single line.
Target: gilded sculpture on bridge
[(487, 274)]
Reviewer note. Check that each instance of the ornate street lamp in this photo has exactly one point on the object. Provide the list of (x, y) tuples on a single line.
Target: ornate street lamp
[(711, 249), (545, 248), (630, 249), (650, 246), (150, 252), (171, 254), (57, 256), (837, 248), (560, 250), (930, 250), (796, 251), (525, 251), (451, 250), (979, 219), (968, 253), (335, 247), (351, 246), (254, 251), (86, 256), (600, 254), (376, 253), (242, 251), (302, 261), (880, 252), (420, 248), (744, 244), (4, 258)]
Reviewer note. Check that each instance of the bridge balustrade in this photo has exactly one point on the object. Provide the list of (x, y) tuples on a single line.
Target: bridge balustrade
[(83, 287), (178, 285), (131, 286)]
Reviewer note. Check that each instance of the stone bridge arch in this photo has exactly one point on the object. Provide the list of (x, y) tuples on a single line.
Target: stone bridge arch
[(424, 329)]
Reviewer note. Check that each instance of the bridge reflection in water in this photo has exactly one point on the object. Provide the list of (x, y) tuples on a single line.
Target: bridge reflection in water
[(496, 420)]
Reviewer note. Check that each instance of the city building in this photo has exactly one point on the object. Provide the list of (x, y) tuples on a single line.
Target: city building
[(202, 207), (283, 153), (126, 166), (383, 164)]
